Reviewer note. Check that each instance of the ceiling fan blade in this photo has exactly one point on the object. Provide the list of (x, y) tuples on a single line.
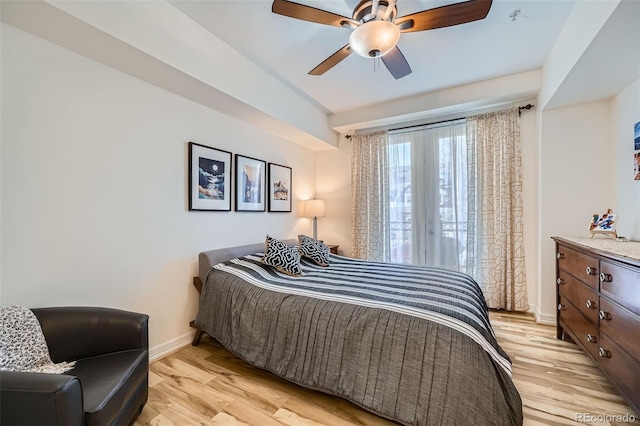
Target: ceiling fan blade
[(311, 14), (396, 63), (331, 61), (445, 16)]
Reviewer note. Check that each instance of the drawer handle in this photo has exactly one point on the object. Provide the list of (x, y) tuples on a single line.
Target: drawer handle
[(605, 316), (560, 281), (591, 304), (604, 353), (559, 256), (561, 307), (605, 278), (591, 338), (592, 271)]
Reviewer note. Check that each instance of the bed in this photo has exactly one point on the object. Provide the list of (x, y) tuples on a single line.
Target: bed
[(411, 344)]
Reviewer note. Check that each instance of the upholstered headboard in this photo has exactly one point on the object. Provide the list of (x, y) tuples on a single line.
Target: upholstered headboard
[(207, 259)]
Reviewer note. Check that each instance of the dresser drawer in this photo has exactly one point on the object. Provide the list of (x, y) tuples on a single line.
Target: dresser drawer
[(621, 284), (580, 265), (581, 295), (580, 328), (621, 325), (620, 367)]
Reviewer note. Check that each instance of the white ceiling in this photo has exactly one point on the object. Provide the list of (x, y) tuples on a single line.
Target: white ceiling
[(289, 48), (239, 58)]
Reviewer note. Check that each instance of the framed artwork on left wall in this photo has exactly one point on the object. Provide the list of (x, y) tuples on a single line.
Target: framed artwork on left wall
[(209, 178), (250, 184), (636, 148), (279, 188)]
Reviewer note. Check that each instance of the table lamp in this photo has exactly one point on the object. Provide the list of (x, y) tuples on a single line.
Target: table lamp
[(314, 209)]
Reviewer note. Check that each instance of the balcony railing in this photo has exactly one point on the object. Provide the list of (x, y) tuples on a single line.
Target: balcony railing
[(401, 239)]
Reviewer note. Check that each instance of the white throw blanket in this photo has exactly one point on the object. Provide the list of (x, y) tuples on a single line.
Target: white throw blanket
[(22, 344)]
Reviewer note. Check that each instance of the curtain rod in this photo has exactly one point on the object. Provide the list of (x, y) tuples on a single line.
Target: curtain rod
[(417, 125), (528, 106), (426, 124)]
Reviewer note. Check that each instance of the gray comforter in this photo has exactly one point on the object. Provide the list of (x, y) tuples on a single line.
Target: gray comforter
[(411, 344)]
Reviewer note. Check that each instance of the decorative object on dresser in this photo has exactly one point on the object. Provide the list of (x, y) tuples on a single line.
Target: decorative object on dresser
[(598, 296), (604, 224)]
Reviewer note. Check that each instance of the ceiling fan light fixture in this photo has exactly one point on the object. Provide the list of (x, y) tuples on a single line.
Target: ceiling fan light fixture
[(374, 38)]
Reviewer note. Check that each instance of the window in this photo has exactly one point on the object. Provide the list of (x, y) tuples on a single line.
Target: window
[(428, 195)]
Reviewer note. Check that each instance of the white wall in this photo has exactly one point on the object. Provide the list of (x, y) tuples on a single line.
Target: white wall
[(586, 157), (94, 183), (333, 183), (530, 174), (625, 112), (582, 27), (575, 182)]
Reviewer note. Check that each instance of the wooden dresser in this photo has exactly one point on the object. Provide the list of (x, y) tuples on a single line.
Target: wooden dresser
[(598, 297)]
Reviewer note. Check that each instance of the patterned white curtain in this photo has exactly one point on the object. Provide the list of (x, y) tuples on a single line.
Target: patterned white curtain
[(370, 196), (495, 236)]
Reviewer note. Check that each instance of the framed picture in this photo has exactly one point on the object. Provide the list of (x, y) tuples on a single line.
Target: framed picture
[(209, 178), (250, 184), (603, 224), (636, 136), (279, 188)]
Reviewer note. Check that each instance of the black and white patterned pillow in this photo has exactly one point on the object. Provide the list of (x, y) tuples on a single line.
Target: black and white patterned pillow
[(314, 250), (281, 256)]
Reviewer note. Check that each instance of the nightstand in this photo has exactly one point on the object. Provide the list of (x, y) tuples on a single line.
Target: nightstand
[(333, 248)]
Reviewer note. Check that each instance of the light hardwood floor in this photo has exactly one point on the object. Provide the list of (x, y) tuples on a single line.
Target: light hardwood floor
[(207, 385)]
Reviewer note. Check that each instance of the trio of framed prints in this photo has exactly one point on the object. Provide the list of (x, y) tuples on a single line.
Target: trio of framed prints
[(258, 184), (636, 151)]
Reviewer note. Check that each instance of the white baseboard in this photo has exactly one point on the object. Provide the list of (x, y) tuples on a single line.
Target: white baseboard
[(164, 349), (546, 319)]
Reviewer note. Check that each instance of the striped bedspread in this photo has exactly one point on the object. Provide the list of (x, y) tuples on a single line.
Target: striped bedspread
[(447, 297), (413, 344)]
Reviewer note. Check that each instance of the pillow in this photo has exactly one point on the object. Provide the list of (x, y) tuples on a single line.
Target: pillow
[(281, 256), (314, 250)]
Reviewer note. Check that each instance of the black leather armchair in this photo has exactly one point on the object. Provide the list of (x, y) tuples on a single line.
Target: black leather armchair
[(107, 386)]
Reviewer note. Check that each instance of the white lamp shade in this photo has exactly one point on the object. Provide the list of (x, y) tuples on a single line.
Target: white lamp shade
[(314, 208), (374, 38)]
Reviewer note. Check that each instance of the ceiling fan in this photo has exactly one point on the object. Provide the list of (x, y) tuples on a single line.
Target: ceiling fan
[(376, 28)]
